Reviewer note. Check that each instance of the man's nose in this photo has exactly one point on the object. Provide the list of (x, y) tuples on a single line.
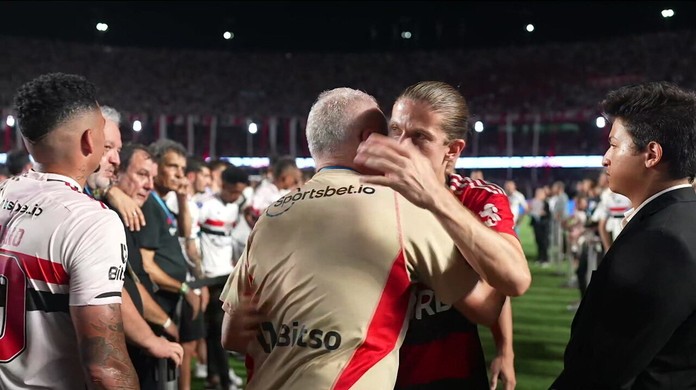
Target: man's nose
[(115, 159)]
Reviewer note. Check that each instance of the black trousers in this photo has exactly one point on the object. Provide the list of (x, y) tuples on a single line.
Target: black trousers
[(218, 364), (541, 235)]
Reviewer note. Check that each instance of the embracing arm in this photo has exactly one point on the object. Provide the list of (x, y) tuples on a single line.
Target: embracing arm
[(130, 212), (482, 305), (102, 347), (503, 365), (497, 257)]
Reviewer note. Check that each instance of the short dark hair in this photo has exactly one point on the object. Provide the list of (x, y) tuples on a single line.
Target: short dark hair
[(16, 161), (234, 175), (660, 112), (282, 164), (217, 163), (50, 100), (195, 164), (163, 146), (127, 152)]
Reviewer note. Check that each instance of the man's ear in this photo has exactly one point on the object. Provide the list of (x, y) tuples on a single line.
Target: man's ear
[(366, 132), (653, 154), (87, 142), (455, 149)]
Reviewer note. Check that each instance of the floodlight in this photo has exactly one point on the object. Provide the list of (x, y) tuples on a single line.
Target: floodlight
[(601, 122)]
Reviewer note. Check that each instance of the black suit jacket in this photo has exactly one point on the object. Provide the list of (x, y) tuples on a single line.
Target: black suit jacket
[(636, 326)]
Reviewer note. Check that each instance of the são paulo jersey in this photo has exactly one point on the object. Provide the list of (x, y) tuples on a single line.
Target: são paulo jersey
[(334, 263), (172, 202), (442, 349), (265, 194), (612, 207), (217, 220), (58, 248)]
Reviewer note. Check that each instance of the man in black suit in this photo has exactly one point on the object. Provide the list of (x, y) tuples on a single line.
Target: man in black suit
[(636, 325)]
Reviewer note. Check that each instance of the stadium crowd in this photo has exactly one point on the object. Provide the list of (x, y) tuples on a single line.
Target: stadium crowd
[(559, 83)]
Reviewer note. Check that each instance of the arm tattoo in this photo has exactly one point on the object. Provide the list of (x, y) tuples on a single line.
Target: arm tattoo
[(105, 347)]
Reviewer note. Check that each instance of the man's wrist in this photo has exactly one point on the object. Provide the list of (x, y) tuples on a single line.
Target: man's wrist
[(167, 323), (439, 199), (184, 289), (100, 193)]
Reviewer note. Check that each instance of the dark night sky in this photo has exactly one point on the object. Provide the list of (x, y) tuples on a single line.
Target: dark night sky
[(338, 26)]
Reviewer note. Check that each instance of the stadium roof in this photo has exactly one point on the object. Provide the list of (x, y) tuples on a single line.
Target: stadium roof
[(339, 26)]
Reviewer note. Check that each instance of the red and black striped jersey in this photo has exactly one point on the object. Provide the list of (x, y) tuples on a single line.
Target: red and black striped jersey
[(442, 349)]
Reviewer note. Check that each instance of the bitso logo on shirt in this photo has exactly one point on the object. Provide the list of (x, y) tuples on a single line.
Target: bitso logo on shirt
[(296, 335)]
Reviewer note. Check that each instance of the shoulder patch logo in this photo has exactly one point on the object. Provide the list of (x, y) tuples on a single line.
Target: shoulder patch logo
[(489, 215)]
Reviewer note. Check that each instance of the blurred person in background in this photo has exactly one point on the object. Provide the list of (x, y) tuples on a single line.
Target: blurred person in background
[(220, 215), (609, 214), (558, 203), (216, 167), (576, 225), (540, 215), (191, 190), (200, 180), (518, 203), (427, 131), (476, 174), (4, 172), (18, 162), (285, 177)]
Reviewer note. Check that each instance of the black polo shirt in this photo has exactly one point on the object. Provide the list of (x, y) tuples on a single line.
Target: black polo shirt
[(160, 234)]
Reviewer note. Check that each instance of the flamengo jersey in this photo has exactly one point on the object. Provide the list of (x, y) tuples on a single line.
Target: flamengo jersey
[(442, 349), (217, 220), (58, 248), (334, 262)]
